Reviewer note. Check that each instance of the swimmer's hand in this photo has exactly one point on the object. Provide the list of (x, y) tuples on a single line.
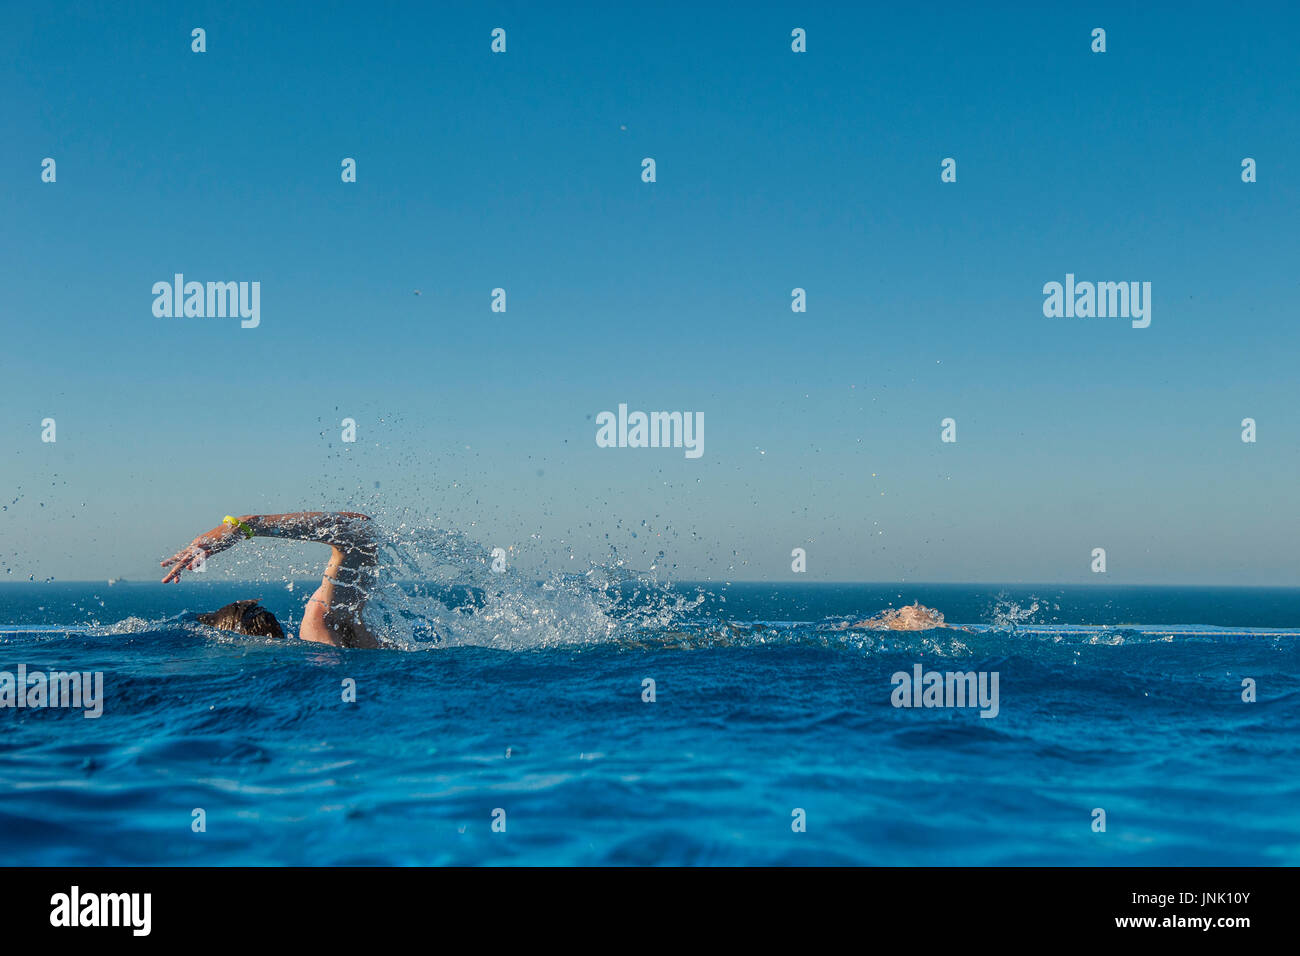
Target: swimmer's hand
[(192, 556)]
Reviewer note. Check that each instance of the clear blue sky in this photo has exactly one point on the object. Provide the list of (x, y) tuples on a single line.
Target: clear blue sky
[(775, 170)]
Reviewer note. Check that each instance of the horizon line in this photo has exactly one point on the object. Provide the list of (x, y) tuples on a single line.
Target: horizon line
[(722, 583)]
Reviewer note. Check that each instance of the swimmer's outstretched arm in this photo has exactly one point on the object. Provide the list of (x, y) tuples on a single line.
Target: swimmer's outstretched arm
[(343, 530)]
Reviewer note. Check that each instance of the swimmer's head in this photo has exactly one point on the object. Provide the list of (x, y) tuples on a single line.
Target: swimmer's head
[(244, 617)]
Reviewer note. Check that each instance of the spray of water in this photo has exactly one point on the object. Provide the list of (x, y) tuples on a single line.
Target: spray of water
[(1007, 615), (438, 588)]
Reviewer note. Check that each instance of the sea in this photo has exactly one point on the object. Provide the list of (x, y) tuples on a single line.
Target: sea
[(609, 719)]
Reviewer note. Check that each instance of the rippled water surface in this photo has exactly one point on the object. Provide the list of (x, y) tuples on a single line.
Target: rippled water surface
[(530, 701)]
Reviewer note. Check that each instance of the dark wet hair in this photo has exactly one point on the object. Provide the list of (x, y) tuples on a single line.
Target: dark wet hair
[(244, 617)]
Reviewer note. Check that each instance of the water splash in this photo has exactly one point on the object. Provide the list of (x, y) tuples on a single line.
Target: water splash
[(438, 588), (1007, 615)]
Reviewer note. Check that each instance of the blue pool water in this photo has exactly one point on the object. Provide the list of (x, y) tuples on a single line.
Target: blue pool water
[(1128, 700)]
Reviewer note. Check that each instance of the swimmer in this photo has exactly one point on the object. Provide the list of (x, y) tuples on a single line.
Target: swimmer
[(909, 617), (333, 615)]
